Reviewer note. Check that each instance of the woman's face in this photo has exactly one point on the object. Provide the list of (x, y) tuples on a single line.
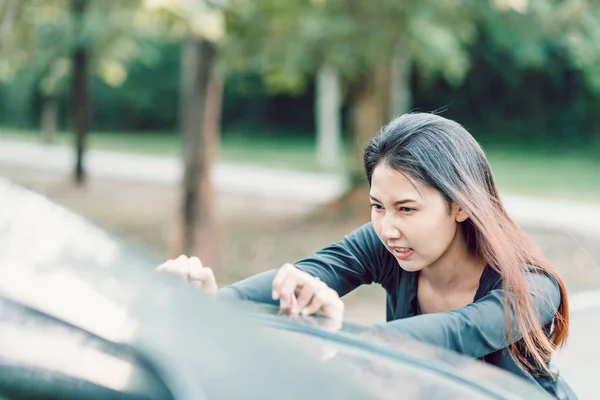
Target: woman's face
[(411, 219)]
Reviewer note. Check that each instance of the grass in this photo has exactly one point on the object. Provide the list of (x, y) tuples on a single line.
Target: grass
[(279, 152), (534, 171), (568, 175)]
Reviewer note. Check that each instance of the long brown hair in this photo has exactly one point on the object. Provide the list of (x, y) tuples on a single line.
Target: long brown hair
[(442, 154)]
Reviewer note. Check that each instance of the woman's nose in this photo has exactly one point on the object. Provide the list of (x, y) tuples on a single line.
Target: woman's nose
[(390, 229)]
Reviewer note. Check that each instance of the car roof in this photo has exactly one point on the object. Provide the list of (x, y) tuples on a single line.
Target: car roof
[(60, 264), (403, 349)]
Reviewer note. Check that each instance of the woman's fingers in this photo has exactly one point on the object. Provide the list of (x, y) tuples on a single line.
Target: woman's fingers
[(287, 292), (307, 292), (305, 295), (195, 262), (195, 269), (175, 267), (333, 306), (282, 273), (314, 306), (326, 302), (203, 277), (191, 269)]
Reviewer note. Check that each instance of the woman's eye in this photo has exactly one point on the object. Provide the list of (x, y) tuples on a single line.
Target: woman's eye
[(376, 207), (406, 209)]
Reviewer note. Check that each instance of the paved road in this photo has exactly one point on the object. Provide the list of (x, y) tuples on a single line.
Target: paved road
[(579, 362), (253, 181), (300, 190)]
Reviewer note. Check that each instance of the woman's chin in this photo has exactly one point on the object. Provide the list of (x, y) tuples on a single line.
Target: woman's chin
[(409, 266)]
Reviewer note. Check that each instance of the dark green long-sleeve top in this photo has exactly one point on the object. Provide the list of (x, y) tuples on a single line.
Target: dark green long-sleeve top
[(475, 330)]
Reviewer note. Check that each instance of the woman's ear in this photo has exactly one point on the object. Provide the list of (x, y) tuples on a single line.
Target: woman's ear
[(459, 214)]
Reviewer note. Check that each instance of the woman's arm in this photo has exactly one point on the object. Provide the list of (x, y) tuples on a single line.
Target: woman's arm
[(343, 266), (479, 328)]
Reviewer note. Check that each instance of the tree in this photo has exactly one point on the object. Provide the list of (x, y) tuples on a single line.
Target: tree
[(375, 45), (369, 43), (64, 43), (80, 87), (29, 43), (112, 30), (327, 110), (200, 27), (81, 59)]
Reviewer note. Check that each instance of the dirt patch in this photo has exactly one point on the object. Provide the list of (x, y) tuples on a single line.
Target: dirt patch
[(257, 240)]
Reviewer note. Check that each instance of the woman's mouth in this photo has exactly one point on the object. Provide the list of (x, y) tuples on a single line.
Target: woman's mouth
[(402, 253)]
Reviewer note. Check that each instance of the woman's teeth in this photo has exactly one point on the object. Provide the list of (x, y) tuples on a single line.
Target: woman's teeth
[(402, 249)]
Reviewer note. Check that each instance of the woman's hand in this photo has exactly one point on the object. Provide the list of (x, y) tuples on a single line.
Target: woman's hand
[(304, 294), (191, 269)]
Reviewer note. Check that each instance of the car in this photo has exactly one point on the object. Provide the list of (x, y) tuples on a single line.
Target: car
[(84, 315)]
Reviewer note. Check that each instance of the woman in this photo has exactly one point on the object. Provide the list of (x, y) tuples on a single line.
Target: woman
[(458, 271)]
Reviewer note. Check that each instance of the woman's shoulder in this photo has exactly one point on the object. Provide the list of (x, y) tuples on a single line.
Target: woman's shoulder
[(538, 279)]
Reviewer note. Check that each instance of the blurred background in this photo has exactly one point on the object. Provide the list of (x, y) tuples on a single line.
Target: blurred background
[(232, 129)]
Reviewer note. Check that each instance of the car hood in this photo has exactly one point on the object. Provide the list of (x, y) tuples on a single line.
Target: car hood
[(62, 265)]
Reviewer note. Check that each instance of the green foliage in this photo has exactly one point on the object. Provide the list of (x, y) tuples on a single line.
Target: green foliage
[(287, 42), (17, 98), (500, 102), (148, 99), (512, 74), (578, 32), (45, 33)]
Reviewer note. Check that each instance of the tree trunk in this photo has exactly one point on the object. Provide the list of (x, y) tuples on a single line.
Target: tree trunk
[(370, 113), (49, 119), (80, 92), (197, 228), (9, 13), (328, 118), (400, 92)]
